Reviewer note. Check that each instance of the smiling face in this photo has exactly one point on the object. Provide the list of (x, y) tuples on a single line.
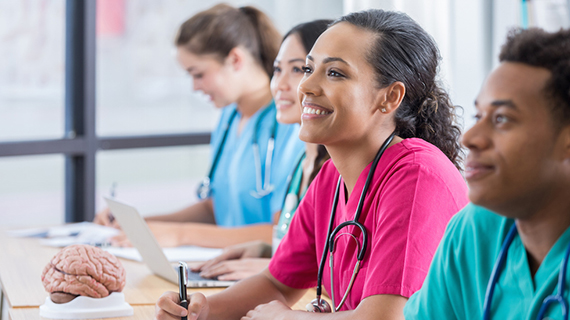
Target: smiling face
[(516, 155), (209, 75), (339, 91), (288, 72)]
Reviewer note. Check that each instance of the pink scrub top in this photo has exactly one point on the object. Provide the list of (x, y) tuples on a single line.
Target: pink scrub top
[(413, 195)]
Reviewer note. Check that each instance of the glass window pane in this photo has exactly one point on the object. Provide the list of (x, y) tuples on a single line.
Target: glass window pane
[(141, 89), (140, 86), (157, 180), (32, 36), (32, 191)]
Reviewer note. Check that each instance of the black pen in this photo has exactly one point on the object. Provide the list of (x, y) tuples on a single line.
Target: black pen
[(182, 269), (112, 193)]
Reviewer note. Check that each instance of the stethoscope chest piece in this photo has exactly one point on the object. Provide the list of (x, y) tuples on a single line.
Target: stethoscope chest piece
[(319, 305)]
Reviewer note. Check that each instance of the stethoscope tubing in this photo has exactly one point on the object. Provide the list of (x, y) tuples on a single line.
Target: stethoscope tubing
[(500, 263), (262, 188), (331, 233)]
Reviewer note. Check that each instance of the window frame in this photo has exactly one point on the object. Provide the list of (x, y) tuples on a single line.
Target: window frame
[(81, 143)]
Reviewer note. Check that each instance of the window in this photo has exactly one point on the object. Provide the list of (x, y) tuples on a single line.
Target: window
[(24, 178), (31, 69), (91, 94), (155, 180)]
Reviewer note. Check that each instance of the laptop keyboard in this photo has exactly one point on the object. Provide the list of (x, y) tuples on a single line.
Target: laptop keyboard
[(197, 281)]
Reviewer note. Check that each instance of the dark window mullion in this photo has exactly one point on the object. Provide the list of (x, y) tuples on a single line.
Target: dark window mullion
[(80, 108), (41, 147)]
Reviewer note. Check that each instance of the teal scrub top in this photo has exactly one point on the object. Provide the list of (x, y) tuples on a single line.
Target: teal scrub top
[(235, 175), (457, 280), (292, 198)]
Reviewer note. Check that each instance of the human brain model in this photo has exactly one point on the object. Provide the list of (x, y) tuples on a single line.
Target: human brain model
[(82, 270)]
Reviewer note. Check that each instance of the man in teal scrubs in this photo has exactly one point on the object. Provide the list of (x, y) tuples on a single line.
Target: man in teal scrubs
[(518, 170)]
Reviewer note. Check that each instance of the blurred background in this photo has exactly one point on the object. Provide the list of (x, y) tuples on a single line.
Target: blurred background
[(145, 133)]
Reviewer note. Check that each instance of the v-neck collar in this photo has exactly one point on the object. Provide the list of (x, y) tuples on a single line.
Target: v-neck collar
[(547, 270), (251, 123), (348, 206)]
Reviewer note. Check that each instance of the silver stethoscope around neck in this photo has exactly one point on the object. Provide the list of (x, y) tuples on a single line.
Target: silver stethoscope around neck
[(319, 304), (558, 297), (263, 186)]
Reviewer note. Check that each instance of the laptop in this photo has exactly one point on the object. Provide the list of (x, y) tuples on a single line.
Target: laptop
[(143, 240)]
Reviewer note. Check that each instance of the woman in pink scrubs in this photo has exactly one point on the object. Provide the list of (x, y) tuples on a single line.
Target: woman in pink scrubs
[(370, 76)]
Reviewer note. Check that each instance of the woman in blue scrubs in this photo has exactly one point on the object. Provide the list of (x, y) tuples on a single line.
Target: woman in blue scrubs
[(502, 255), (247, 259), (229, 53)]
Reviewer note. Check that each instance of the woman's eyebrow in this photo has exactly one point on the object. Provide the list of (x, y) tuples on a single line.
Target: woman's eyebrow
[(334, 59), (297, 60), (329, 59), (504, 103)]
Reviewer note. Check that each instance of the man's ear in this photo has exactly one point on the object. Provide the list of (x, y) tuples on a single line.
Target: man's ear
[(235, 58), (390, 98)]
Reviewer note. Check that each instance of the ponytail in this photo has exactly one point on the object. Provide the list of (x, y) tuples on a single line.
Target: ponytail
[(435, 122), (268, 37), (403, 51), (221, 28)]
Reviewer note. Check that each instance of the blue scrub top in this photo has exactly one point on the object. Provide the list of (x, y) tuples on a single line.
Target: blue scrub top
[(461, 268), (234, 177)]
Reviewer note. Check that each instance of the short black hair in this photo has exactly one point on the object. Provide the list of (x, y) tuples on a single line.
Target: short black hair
[(549, 50)]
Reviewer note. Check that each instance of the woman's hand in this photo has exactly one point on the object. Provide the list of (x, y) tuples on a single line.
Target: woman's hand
[(253, 249), (168, 307), (237, 262), (235, 269), (274, 310), (105, 218), (120, 240)]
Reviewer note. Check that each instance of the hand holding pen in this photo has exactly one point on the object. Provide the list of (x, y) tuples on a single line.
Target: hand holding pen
[(168, 307), (105, 217), (182, 271), (112, 193)]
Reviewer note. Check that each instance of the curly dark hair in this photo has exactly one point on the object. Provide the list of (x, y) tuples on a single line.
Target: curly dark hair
[(538, 48), (405, 52)]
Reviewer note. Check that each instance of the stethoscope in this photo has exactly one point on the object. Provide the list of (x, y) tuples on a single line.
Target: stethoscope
[(318, 304), (263, 186), (551, 299)]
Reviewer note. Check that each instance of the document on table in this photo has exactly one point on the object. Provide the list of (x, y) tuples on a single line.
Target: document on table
[(69, 234), (184, 253)]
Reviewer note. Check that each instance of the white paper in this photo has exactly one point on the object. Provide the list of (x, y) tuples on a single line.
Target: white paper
[(69, 234), (184, 253)]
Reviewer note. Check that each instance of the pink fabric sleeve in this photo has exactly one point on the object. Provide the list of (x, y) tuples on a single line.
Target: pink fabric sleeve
[(409, 224)]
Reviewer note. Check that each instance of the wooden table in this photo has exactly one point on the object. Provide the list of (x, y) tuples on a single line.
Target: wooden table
[(141, 312), (23, 259)]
